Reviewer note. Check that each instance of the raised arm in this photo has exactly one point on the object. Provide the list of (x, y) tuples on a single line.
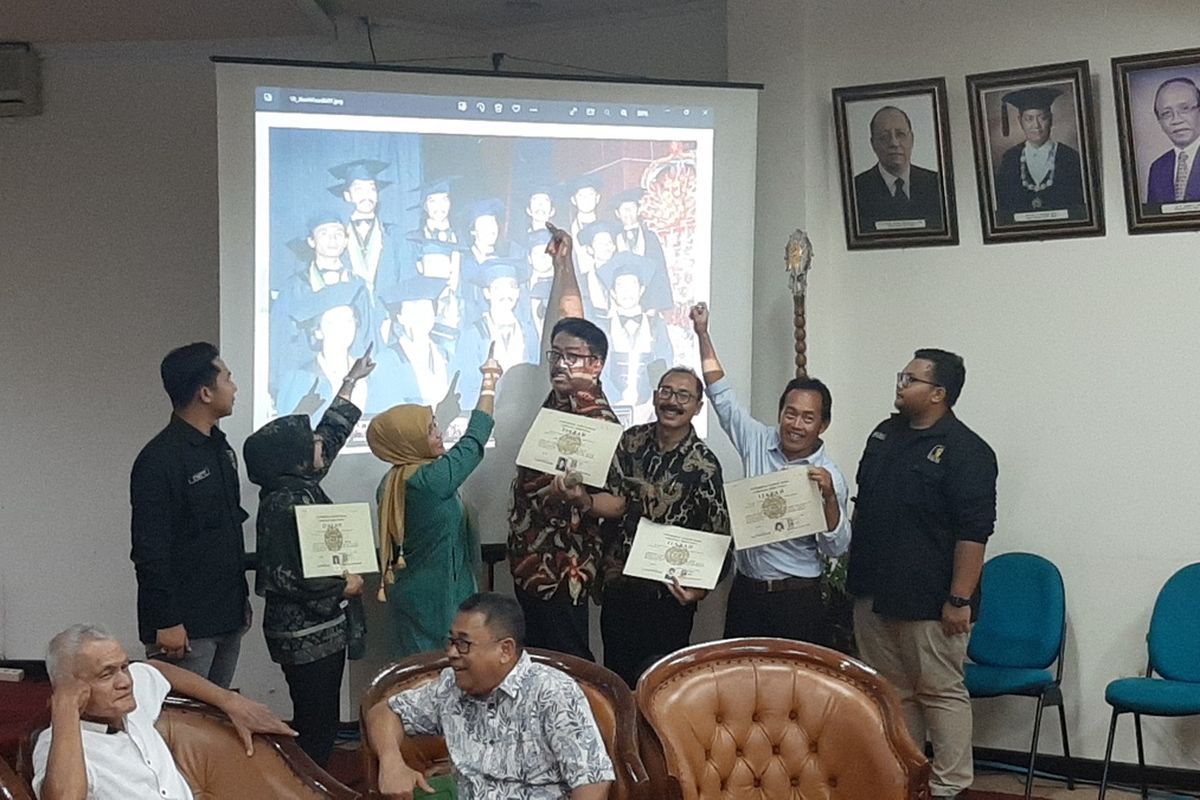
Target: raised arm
[(709, 363), (565, 298)]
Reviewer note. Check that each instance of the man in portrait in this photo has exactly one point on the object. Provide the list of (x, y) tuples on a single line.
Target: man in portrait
[(895, 188), (1173, 176), (1040, 173)]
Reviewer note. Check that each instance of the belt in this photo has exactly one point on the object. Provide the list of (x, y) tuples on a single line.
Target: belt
[(773, 585)]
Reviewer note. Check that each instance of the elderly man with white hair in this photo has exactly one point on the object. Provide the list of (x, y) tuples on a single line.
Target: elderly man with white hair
[(101, 743)]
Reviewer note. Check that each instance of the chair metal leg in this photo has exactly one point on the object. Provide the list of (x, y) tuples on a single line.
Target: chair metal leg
[(1037, 727), (1062, 723), (1112, 729), (1137, 728)]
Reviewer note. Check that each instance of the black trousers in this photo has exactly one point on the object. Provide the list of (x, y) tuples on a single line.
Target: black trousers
[(641, 622), (793, 611), (315, 689), (556, 624)]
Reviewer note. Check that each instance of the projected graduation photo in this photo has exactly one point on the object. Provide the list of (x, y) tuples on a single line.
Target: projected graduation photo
[(423, 234)]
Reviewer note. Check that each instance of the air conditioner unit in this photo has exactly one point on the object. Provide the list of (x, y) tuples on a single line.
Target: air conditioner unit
[(20, 80)]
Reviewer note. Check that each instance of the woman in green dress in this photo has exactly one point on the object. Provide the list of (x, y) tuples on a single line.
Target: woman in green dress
[(429, 551)]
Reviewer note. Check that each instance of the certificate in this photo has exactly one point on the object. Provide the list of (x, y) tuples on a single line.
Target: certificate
[(335, 539), (774, 507), (661, 552), (558, 442)]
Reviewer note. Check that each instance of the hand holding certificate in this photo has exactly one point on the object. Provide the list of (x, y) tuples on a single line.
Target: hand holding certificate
[(774, 508), (562, 442), (662, 552), (335, 539)]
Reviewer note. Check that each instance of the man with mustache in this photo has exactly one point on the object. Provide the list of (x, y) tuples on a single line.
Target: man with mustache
[(668, 476), (895, 188), (777, 588), (555, 529)]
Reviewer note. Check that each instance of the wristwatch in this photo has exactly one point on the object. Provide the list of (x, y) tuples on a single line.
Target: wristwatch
[(958, 602)]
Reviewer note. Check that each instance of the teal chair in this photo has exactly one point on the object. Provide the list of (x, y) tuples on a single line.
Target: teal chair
[(1020, 633), (1174, 645)]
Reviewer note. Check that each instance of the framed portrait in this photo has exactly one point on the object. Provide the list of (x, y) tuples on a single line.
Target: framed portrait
[(1035, 153), (894, 159), (1158, 122)]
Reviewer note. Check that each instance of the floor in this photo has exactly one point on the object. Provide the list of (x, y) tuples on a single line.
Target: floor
[(1054, 790)]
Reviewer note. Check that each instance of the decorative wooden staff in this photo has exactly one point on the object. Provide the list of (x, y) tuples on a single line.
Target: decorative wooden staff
[(798, 260)]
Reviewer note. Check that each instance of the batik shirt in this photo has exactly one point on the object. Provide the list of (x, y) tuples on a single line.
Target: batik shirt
[(552, 543), (532, 738), (681, 486)]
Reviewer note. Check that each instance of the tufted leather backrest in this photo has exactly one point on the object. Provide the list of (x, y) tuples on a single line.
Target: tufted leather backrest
[(774, 718), (210, 754), (611, 702)]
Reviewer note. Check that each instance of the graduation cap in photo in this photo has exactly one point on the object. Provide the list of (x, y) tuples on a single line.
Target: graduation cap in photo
[(310, 306), (430, 187), (588, 180), (633, 195), (540, 187), (539, 238), (487, 207), (1034, 97), (363, 169), (589, 232), (417, 287), (496, 268), (627, 263)]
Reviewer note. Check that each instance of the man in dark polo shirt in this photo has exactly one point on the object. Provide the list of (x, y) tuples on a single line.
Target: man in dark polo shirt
[(926, 506), (187, 523)]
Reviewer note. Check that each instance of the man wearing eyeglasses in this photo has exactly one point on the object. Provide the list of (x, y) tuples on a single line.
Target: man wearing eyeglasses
[(926, 506), (777, 588), (556, 527), (514, 729), (1173, 175), (668, 475)]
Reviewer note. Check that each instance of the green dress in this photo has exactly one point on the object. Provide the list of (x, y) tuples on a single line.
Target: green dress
[(441, 547)]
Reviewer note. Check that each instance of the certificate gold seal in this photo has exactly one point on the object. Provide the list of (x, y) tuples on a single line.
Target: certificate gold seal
[(333, 538), (774, 506), (569, 444), (676, 556)]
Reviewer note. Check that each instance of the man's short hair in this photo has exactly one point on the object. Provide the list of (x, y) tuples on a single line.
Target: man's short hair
[(580, 328), (809, 385), (1180, 80), (949, 371), (502, 615), (691, 373), (889, 108), (60, 653), (185, 369)]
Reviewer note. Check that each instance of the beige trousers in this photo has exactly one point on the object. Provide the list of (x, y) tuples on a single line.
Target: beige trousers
[(926, 668)]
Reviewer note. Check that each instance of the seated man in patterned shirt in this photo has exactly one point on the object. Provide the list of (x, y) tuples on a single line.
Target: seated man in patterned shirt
[(515, 730)]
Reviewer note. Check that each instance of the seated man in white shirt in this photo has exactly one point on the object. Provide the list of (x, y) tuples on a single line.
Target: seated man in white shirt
[(102, 743), (515, 730)]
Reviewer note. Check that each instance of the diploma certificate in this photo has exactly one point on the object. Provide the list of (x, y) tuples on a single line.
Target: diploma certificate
[(559, 441), (335, 539), (660, 552), (774, 507)]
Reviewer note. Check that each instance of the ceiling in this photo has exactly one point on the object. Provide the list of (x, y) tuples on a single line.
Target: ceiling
[(55, 21)]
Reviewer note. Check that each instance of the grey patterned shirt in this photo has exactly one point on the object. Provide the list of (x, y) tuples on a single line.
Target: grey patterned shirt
[(533, 738)]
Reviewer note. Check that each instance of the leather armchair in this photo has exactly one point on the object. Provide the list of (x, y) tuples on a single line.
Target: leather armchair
[(611, 702), (12, 785), (211, 756), (774, 718)]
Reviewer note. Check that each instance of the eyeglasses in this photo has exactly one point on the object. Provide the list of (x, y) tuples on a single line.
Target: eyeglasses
[(682, 395), (463, 646), (1178, 112), (907, 379), (570, 359)]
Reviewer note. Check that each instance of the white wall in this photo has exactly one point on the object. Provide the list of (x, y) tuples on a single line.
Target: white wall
[(1081, 354)]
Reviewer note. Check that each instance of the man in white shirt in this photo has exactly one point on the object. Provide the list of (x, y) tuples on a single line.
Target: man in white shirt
[(1173, 175), (102, 743)]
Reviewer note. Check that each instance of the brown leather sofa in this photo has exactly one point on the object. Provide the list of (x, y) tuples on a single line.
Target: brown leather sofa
[(773, 718), (212, 758), (610, 700)]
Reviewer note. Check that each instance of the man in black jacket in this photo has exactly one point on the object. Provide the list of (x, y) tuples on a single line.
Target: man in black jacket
[(187, 523)]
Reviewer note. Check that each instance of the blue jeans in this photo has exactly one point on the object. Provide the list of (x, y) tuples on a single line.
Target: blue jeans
[(214, 657)]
